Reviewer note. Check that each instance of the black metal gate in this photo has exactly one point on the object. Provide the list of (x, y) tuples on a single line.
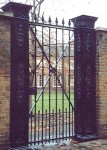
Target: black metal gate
[(51, 57), (46, 109)]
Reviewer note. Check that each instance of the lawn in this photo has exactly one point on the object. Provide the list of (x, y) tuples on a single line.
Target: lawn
[(55, 102)]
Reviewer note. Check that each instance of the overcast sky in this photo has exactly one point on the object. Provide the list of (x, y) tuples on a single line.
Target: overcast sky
[(72, 8)]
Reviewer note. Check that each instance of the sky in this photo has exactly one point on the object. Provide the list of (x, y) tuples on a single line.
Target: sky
[(68, 9)]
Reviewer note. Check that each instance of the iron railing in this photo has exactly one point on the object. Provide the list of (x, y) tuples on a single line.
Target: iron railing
[(51, 56), (43, 130)]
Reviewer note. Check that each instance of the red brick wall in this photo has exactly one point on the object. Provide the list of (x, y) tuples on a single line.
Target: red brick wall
[(4, 81), (101, 82)]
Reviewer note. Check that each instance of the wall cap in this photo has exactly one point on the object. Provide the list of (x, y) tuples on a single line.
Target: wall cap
[(101, 29), (84, 21), (18, 9), (10, 14)]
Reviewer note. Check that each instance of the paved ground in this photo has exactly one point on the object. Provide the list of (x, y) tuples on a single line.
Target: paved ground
[(72, 145)]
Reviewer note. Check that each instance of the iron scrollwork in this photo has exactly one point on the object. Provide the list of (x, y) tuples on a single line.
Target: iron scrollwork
[(78, 76), (20, 82), (88, 42), (88, 81), (78, 43), (20, 35)]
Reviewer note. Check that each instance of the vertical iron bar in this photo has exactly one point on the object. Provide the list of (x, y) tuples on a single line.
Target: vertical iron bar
[(42, 82), (31, 127), (59, 124), (73, 122), (63, 82), (66, 120), (49, 81), (52, 124), (46, 126), (35, 86), (56, 83), (38, 125), (69, 85)]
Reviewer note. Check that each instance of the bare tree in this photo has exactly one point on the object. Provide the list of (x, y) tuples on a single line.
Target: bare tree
[(35, 13)]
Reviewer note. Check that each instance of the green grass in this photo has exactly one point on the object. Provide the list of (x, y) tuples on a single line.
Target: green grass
[(62, 101)]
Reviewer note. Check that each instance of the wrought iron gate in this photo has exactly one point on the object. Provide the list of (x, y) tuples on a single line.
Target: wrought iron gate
[(51, 115)]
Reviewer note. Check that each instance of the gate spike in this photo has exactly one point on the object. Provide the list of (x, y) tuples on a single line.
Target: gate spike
[(42, 18), (63, 22), (69, 22), (56, 21), (35, 17), (49, 20)]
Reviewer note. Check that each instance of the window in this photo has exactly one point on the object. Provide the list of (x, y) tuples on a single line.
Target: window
[(55, 82), (70, 80), (41, 80)]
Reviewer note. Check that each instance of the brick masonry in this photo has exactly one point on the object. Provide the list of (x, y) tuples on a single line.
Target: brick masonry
[(4, 81), (101, 82)]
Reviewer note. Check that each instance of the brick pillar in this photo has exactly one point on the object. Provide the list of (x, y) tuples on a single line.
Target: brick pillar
[(84, 77), (101, 81), (19, 95)]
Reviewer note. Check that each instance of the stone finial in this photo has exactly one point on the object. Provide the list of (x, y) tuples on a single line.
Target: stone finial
[(19, 10), (84, 21)]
